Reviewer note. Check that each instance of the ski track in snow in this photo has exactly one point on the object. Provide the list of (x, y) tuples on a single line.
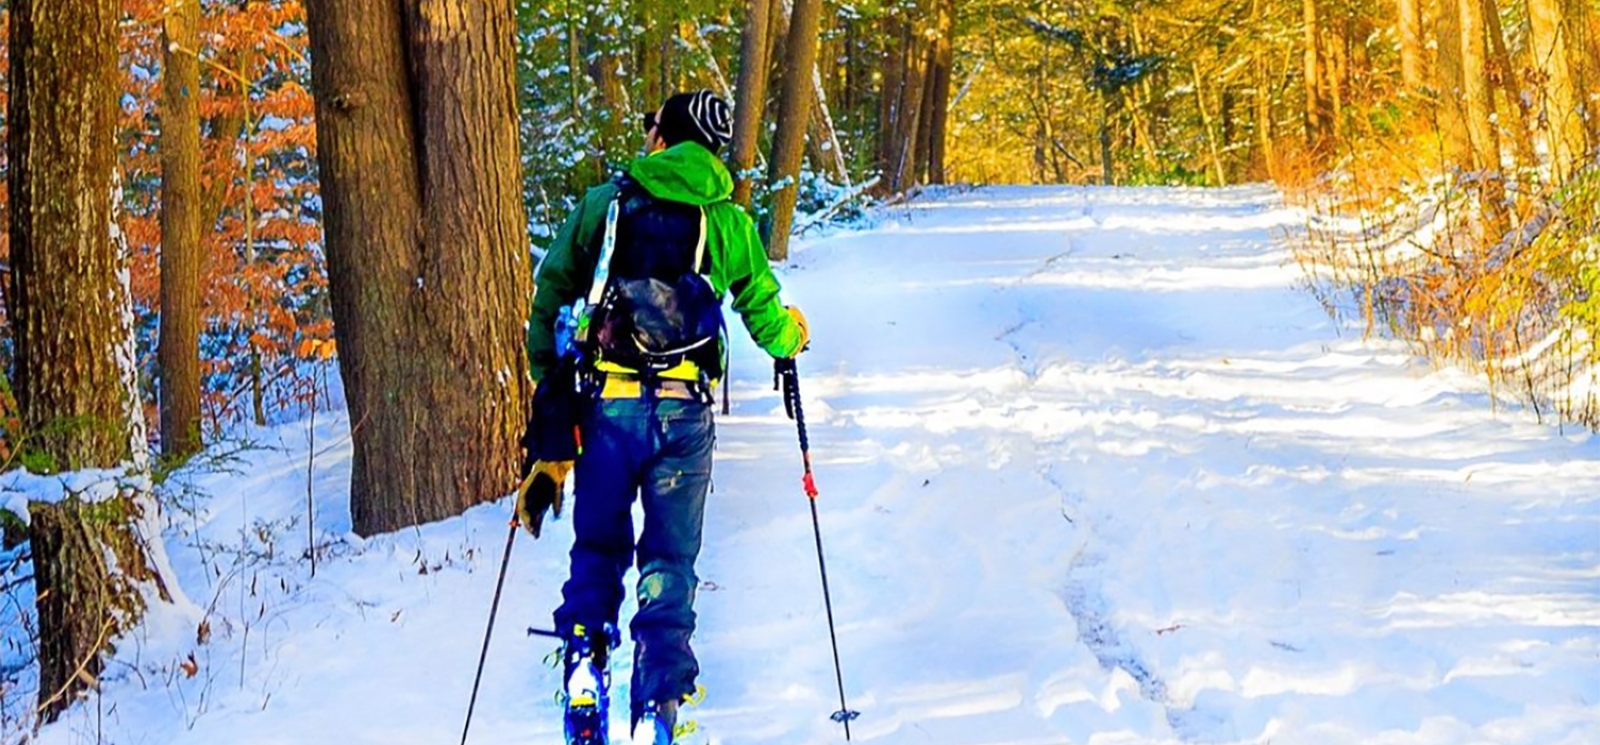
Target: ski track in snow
[(1094, 470)]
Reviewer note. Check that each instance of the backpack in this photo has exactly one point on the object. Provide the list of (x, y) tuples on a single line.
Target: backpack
[(655, 307)]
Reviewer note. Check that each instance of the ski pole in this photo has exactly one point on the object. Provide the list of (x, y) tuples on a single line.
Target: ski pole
[(494, 607), (786, 374)]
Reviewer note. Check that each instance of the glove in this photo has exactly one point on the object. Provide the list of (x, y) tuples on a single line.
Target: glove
[(805, 329), (541, 490)]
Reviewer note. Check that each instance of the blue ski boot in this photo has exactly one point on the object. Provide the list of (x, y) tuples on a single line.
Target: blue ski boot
[(587, 684)]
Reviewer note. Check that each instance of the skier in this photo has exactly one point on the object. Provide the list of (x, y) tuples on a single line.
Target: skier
[(637, 275)]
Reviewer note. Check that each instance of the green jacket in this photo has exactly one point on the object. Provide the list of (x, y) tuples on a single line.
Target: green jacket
[(687, 173)]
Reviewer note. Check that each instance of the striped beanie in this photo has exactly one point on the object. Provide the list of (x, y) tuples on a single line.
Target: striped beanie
[(701, 116)]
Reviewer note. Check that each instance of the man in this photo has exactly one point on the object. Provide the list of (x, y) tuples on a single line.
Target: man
[(646, 260)]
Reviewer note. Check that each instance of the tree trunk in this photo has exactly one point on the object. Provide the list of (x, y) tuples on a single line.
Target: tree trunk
[(1504, 72), (1262, 101), (1208, 128), (1450, 112), (889, 94), (752, 96), (789, 146), (427, 249), (649, 64), (1312, 73), (903, 139), (1108, 174), (64, 285), (939, 122), (1336, 74), (1134, 102), (1477, 95), (1583, 56), (826, 151), (1413, 65), (85, 598), (182, 255), (72, 324), (924, 144), (604, 67), (1560, 109)]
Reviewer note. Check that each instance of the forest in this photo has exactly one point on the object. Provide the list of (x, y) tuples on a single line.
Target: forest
[(233, 212)]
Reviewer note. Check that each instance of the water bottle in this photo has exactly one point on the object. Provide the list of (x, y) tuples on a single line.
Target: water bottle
[(566, 323)]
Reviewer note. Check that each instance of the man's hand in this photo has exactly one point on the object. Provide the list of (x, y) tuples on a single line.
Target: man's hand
[(542, 489), (805, 329)]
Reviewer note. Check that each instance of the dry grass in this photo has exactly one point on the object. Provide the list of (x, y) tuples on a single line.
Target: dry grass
[(1406, 245)]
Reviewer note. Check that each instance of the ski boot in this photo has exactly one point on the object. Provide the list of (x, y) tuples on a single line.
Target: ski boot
[(656, 723), (586, 689)]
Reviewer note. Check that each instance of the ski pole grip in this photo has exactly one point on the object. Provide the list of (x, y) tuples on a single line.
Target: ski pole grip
[(790, 377)]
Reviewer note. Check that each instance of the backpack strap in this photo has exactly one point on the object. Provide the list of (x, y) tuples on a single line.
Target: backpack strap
[(700, 245)]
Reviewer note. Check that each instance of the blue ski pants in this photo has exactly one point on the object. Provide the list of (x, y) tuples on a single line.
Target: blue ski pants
[(658, 450)]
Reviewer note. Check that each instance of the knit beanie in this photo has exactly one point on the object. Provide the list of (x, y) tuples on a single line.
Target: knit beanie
[(701, 116)]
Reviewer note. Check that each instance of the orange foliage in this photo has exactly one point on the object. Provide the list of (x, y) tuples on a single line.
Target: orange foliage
[(265, 287)]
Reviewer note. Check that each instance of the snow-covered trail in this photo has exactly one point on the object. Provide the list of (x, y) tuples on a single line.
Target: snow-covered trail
[(1101, 473), (1093, 470)]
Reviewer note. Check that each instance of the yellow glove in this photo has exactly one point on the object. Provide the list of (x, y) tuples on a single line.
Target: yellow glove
[(541, 490), (805, 329)]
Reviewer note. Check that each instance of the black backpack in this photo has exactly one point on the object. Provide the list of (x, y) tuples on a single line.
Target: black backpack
[(656, 307)]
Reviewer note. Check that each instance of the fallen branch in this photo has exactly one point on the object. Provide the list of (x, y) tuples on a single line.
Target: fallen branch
[(849, 195)]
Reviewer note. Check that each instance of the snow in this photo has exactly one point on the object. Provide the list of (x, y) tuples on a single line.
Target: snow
[(1093, 470)]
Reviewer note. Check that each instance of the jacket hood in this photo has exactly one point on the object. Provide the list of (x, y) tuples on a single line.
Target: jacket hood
[(685, 172)]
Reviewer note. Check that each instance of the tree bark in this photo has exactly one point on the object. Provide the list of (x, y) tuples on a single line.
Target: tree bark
[(903, 138), (944, 61), (826, 151), (604, 68), (1336, 75), (1312, 72), (71, 317), (1560, 110), (65, 293), (183, 258), (1450, 112), (1476, 91), (1504, 72), (893, 73), (788, 148), (427, 249), (1583, 56), (85, 598), (1208, 128), (924, 143), (1477, 95), (1413, 63), (1262, 104), (752, 92)]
